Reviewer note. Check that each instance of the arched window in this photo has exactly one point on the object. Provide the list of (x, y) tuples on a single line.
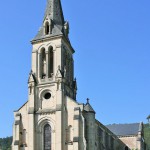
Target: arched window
[(47, 137), (51, 61), (126, 148), (43, 63), (47, 28)]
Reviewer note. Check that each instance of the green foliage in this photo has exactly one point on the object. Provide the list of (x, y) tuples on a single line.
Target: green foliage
[(147, 135), (5, 143)]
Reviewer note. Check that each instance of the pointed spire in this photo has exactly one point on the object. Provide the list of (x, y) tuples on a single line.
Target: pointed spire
[(53, 22), (54, 12), (31, 77)]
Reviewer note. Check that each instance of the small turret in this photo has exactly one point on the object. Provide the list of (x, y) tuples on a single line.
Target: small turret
[(31, 83), (89, 115), (31, 92), (88, 108), (31, 77)]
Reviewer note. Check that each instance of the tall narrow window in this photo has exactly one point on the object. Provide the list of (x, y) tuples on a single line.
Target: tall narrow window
[(51, 61), (43, 63), (24, 137), (47, 137), (47, 28), (68, 134)]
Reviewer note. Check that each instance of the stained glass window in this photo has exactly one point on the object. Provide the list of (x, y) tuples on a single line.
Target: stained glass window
[(47, 137)]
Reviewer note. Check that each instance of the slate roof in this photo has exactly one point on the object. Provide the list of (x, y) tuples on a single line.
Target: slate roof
[(124, 129), (54, 11), (57, 30), (55, 14), (88, 107)]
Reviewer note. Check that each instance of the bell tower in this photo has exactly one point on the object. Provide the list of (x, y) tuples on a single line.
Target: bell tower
[(52, 56), (41, 123), (53, 76)]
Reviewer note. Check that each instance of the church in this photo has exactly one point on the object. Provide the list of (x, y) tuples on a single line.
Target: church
[(52, 118)]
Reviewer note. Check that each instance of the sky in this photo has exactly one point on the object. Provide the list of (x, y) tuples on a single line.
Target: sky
[(112, 59)]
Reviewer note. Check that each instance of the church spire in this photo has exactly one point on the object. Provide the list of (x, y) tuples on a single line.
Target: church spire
[(54, 12), (53, 23)]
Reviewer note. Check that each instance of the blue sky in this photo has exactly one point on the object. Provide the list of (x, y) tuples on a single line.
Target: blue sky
[(112, 59)]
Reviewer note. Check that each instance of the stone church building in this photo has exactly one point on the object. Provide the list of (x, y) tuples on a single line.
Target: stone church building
[(52, 118), (130, 134)]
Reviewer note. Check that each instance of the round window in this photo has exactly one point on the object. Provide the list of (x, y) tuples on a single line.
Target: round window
[(47, 95)]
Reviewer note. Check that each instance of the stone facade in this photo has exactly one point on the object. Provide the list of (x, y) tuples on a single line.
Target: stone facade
[(132, 142), (52, 119)]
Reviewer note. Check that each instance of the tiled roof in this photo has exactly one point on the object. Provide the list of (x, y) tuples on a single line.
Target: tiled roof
[(124, 129)]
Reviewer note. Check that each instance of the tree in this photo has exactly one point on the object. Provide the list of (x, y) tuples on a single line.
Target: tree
[(5, 143)]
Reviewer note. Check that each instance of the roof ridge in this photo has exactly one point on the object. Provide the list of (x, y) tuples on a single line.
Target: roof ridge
[(124, 123)]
